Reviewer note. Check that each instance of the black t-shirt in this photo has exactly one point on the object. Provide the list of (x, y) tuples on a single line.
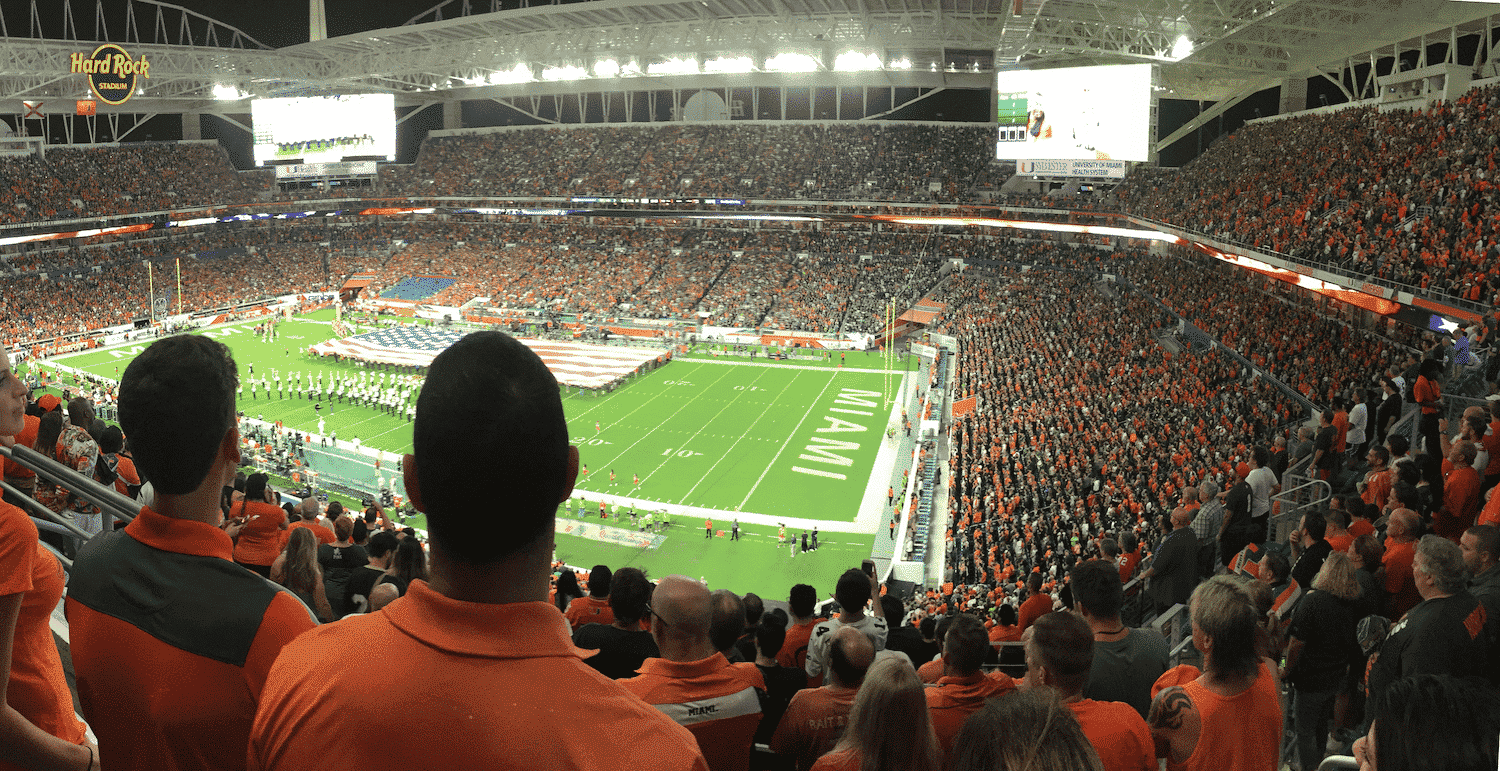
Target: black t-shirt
[(1310, 563), (781, 684), (1325, 624), (357, 589), (1324, 441), (620, 652), (1441, 636)]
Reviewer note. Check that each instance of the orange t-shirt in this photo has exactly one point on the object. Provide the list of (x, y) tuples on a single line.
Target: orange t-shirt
[(794, 649), (38, 689), (1035, 606), (1427, 391), (262, 538), (26, 438), (814, 721), (1118, 733)]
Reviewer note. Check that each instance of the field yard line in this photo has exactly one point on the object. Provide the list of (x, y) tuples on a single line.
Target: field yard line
[(660, 424), (741, 438), (706, 423), (789, 437), (628, 414)]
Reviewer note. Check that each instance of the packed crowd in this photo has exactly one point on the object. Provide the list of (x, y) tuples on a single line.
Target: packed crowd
[(1402, 196), (696, 677)]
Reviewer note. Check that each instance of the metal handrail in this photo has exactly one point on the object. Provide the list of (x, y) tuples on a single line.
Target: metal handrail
[(109, 500), (40, 511)]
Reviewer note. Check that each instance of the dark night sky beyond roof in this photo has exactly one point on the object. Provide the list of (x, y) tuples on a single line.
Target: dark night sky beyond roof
[(280, 23)]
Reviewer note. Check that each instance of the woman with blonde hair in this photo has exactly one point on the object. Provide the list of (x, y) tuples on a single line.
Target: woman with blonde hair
[(1321, 645), (1028, 730), (297, 569), (889, 726)]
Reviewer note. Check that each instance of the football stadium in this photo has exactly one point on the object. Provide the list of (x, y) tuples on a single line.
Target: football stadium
[(1073, 384)]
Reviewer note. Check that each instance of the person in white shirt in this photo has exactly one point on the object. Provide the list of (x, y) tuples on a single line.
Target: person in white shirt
[(1263, 484), (1359, 421)]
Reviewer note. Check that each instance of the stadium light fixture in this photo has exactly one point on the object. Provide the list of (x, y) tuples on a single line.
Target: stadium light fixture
[(788, 62), (853, 61), (226, 93), (630, 68), (729, 64), (606, 68), (569, 72), (518, 74), (1182, 49), (903, 63), (673, 66)]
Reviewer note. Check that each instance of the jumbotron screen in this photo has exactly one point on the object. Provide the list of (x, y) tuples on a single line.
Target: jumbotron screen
[(1074, 113), (324, 129)]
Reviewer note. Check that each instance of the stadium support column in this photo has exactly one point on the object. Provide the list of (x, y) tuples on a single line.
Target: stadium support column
[(191, 127), (1293, 95), (453, 117)]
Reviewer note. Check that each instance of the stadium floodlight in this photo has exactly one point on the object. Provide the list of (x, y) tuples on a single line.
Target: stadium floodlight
[(901, 64), (673, 66), (1182, 49), (853, 61), (791, 63), (630, 68), (226, 93), (569, 72), (606, 68), (729, 64), (518, 74)]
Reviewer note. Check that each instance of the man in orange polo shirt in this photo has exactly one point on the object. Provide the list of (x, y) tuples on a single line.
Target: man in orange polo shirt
[(171, 640), (1059, 655), (816, 718), (692, 683), (962, 689), (1038, 603), (474, 656)]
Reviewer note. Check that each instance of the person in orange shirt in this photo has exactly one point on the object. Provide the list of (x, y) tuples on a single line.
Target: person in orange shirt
[(37, 720), (263, 535), (1037, 604), (309, 520), (478, 644), (171, 640), (1006, 629), (962, 689), (889, 725), (1228, 718), (816, 717), (1376, 487), (803, 600), (1059, 655), (593, 609), (1460, 493)]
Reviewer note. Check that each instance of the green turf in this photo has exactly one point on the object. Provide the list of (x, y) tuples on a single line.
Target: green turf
[(723, 433)]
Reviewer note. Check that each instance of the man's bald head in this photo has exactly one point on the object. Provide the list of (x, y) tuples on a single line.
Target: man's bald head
[(684, 610), (850, 654)]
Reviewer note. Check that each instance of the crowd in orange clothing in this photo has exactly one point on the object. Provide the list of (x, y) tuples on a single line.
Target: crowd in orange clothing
[(1404, 196)]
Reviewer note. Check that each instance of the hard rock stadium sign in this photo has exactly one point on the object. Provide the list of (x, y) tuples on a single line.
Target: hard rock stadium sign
[(113, 73)]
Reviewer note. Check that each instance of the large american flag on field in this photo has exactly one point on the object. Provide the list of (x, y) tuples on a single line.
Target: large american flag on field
[(575, 364)]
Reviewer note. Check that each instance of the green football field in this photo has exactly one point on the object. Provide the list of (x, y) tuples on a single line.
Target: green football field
[(709, 437)]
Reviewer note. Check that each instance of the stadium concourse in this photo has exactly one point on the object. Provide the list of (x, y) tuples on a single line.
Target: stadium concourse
[(1134, 433)]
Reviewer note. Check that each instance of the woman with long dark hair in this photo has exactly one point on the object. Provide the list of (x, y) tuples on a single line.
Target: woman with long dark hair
[(264, 533)]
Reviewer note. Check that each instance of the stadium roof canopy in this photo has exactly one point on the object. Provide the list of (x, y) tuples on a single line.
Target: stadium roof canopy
[(466, 49)]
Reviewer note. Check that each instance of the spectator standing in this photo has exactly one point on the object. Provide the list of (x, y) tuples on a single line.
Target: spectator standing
[(623, 643), (1311, 546), (782, 683), (1432, 722), (692, 683), (1448, 633), (1401, 592), (479, 644), (1320, 648), (297, 569), (1174, 567), (1263, 485), (381, 552), (964, 687), (36, 710), (889, 726), (593, 609), (803, 599), (1126, 662), (1480, 546), (263, 535), (1428, 395), (1059, 655), (339, 560), (1229, 716), (853, 591), (208, 616), (816, 718), (1038, 603)]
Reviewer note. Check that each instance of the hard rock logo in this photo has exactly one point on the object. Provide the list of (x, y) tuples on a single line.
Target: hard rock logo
[(113, 74)]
